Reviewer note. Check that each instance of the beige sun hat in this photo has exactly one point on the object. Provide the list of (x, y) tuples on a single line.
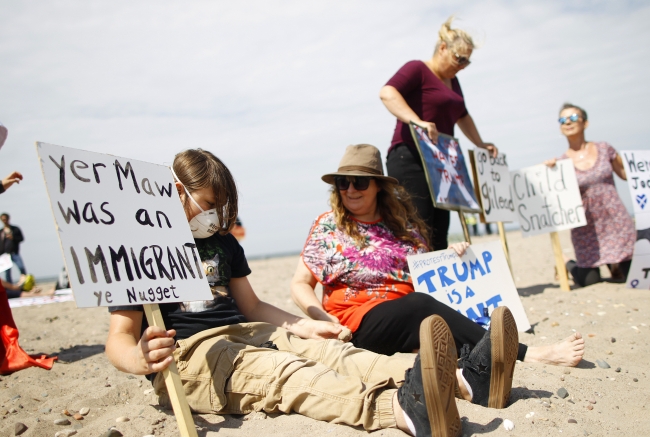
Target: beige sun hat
[(360, 160)]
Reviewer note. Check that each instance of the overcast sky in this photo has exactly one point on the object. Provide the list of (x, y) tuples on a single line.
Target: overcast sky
[(279, 89)]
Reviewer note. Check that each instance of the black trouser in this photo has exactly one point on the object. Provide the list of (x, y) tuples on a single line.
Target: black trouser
[(586, 276), (394, 326), (406, 167)]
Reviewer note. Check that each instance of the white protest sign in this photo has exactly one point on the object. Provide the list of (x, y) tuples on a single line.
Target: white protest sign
[(479, 279), (122, 228), (493, 179), (547, 199), (637, 170), (5, 262)]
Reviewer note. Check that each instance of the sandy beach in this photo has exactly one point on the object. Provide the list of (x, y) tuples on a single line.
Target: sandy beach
[(600, 402)]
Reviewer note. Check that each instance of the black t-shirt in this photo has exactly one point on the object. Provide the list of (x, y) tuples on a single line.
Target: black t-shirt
[(223, 258)]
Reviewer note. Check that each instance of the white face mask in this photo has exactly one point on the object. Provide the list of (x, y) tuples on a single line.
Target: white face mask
[(204, 224)]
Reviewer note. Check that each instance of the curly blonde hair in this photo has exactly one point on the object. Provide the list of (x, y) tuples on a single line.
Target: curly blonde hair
[(396, 210)]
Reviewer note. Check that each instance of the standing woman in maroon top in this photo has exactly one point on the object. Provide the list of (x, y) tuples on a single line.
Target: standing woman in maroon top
[(428, 93)]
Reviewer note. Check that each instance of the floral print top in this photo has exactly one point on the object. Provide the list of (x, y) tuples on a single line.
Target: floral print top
[(355, 279)]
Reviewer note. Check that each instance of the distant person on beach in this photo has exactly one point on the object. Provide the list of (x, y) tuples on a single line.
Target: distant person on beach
[(358, 253), (238, 354), (24, 288), (10, 238), (609, 236), (428, 93)]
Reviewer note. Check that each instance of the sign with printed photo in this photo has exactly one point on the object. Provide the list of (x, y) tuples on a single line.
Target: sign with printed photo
[(122, 229), (547, 199), (446, 172), (493, 189), (479, 279)]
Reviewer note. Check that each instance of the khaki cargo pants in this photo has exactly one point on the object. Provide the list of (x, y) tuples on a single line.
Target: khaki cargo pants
[(224, 370)]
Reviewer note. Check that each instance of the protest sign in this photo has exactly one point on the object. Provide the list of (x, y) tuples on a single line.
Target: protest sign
[(5, 262), (123, 231), (637, 170), (446, 172), (547, 199), (479, 279), (493, 188)]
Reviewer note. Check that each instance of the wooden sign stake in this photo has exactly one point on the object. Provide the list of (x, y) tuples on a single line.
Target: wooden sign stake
[(559, 262), (173, 382), (504, 243), (465, 228)]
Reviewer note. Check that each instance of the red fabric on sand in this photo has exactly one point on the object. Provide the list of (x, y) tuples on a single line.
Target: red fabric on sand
[(13, 356)]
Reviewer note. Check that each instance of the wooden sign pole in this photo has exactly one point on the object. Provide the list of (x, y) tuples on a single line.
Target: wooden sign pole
[(504, 243), (173, 382), (464, 225), (559, 262)]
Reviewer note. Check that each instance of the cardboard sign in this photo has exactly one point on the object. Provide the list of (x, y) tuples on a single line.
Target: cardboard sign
[(5, 262), (547, 199), (479, 279), (637, 170), (122, 228), (493, 188), (446, 172)]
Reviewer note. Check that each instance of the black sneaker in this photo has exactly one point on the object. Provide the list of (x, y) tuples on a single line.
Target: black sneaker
[(490, 366), (427, 396)]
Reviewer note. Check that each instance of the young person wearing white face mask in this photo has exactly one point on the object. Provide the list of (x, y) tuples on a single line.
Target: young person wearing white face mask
[(237, 354)]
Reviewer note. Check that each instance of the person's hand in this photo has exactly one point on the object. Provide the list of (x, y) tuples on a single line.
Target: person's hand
[(432, 130), (155, 349), (459, 248), (491, 148), (316, 329), (14, 178), (551, 162)]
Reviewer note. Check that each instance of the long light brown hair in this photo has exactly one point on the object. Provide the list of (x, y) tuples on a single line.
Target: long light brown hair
[(198, 168), (396, 210)]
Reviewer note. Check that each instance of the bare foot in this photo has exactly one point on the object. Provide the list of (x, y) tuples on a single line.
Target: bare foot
[(567, 352)]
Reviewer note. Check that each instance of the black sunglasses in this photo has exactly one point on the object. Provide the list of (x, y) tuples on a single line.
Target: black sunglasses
[(361, 183), (462, 61)]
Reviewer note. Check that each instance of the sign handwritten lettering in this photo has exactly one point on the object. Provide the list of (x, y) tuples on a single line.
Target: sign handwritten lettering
[(479, 279), (637, 170), (493, 179), (122, 229), (547, 199)]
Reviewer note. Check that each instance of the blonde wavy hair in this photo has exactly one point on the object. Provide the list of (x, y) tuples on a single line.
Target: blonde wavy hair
[(454, 38), (396, 210)]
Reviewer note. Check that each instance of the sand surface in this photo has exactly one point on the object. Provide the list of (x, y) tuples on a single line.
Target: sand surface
[(620, 399)]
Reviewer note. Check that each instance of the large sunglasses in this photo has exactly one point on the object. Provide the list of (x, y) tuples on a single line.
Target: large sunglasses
[(572, 117), (361, 183), (462, 61)]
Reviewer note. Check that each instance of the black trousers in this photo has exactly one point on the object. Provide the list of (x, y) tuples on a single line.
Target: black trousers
[(586, 276), (394, 326), (405, 166)]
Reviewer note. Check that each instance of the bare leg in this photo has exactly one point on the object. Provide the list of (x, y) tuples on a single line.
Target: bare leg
[(567, 352)]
